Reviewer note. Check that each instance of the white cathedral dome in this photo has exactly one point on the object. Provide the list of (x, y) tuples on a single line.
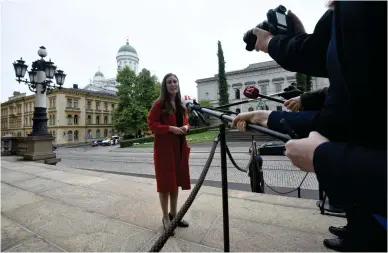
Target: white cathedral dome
[(127, 56)]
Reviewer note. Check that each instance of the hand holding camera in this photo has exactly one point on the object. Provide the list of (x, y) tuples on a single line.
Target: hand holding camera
[(277, 23)]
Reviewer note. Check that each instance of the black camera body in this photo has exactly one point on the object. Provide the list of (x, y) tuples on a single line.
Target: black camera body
[(277, 23)]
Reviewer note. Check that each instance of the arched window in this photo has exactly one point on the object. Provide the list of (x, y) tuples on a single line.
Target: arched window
[(69, 119), (70, 136), (106, 133), (236, 93), (106, 120), (90, 135), (89, 119), (76, 135), (98, 120), (98, 133)]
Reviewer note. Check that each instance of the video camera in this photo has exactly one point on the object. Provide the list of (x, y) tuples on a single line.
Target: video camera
[(278, 22)]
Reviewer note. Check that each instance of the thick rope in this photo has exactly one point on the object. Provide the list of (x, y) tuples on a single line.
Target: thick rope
[(174, 223)]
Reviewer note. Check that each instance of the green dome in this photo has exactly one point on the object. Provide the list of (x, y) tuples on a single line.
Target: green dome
[(127, 48), (99, 73)]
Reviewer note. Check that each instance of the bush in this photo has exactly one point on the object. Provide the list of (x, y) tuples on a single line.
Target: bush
[(131, 142)]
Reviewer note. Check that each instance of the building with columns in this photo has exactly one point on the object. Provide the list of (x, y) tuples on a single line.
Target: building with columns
[(267, 76), (74, 115), (126, 57)]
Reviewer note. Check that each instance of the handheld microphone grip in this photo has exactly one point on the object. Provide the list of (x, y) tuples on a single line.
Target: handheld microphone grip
[(223, 116)]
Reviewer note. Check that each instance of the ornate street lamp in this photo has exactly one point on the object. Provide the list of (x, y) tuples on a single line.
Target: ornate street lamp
[(40, 82)]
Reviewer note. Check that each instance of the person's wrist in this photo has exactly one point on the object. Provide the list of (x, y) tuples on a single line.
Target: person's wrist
[(266, 43)]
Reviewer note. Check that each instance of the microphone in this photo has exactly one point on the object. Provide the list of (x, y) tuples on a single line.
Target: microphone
[(253, 93), (187, 100)]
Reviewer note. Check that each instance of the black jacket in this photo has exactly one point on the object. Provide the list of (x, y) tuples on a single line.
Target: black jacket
[(313, 100), (354, 117)]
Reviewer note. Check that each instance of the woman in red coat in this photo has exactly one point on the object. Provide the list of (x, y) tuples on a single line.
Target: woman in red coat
[(168, 120)]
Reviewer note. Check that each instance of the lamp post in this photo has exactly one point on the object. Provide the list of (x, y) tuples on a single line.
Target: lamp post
[(41, 74)]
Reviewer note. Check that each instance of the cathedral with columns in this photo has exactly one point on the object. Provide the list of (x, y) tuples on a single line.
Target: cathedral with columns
[(126, 56)]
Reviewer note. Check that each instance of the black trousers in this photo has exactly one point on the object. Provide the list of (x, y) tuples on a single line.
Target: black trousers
[(364, 232)]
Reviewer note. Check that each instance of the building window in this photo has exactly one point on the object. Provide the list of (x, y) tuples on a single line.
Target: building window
[(98, 120), (89, 120), (69, 120), (113, 107), (238, 110), (106, 106), (89, 105), (75, 119), (98, 133), (69, 103), (263, 90), (279, 108), (90, 135), (75, 103), (97, 105), (53, 120), (76, 135), (106, 120), (53, 133), (278, 88), (105, 133), (70, 136), (237, 94)]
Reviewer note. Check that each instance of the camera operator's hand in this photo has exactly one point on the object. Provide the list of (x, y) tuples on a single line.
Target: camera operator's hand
[(263, 38), (301, 152), (298, 26), (259, 117), (293, 104)]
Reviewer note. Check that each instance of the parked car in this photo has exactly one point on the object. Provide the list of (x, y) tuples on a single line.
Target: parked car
[(96, 143), (107, 142), (115, 140), (271, 148)]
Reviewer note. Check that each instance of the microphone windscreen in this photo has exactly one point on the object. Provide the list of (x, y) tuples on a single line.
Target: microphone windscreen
[(251, 92), (187, 99)]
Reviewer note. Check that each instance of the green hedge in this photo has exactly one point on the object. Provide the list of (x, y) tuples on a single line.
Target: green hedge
[(129, 143)]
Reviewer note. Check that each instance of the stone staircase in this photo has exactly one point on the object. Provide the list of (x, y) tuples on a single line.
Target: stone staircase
[(233, 135)]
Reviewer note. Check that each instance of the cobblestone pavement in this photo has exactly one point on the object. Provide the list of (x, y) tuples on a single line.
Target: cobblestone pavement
[(278, 170)]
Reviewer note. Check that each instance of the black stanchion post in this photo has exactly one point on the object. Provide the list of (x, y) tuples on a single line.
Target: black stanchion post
[(224, 181)]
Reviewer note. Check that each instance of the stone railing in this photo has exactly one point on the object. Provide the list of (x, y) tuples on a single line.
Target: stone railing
[(13, 146)]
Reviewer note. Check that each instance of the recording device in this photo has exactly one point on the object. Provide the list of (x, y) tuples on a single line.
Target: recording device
[(187, 99), (253, 93), (192, 105), (277, 23), (289, 92)]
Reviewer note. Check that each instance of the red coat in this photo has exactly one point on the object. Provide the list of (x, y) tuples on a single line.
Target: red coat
[(171, 165)]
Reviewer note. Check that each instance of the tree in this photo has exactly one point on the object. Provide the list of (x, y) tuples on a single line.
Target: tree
[(222, 82), (136, 94), (303, 81)]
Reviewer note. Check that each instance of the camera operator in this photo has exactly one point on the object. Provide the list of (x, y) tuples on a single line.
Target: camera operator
[(348, 149)]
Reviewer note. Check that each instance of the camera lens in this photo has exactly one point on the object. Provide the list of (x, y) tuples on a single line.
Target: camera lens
[(282, 8)]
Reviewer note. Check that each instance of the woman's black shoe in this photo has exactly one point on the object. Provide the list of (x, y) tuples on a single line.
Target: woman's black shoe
[(164, 226), (181, 223)]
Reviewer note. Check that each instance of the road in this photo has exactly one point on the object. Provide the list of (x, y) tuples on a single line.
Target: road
[(279, 173)]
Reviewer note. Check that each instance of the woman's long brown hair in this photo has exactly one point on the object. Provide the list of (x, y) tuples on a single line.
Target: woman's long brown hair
[(165, 101)]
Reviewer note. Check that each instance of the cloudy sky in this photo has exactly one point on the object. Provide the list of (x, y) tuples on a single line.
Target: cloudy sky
[(169, 35)]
